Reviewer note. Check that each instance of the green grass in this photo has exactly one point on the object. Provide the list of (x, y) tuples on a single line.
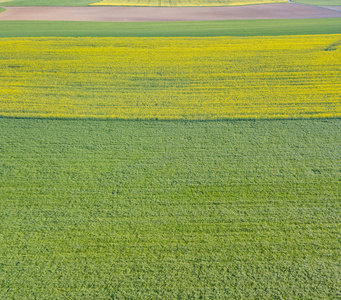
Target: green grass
[(2, 9), (166, 210), (165, 29), (173, 209), (320, 2), (47, 3)]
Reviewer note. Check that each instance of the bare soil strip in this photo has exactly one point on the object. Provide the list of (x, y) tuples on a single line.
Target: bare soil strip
[(140, 14), (334, 7)]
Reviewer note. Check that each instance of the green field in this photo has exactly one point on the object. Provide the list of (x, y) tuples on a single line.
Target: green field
[(124, 209), (170, 29), (170, 210), (320, 2), (46, 2)]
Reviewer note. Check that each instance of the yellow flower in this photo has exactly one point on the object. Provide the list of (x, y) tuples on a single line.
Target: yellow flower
[(171, 78)]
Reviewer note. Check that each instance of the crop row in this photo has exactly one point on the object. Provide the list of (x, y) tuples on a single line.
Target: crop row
[(170, 210), (171, 78)]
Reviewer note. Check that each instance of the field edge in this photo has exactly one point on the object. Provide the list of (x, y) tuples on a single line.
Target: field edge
[(264, 27)]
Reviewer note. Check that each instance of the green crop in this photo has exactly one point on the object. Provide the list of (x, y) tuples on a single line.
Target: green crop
[(169, 29), (170, 210)]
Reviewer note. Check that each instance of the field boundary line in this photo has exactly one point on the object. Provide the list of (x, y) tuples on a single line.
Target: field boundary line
[(167, 120), (311, 5)]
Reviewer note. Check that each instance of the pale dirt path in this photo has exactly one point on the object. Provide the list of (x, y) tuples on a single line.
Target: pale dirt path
[(137, 14), (337, 8), (333, 7)]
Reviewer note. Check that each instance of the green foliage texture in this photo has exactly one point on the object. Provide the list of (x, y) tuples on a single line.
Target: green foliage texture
[(172, 29), (170, 210), (320, 2)]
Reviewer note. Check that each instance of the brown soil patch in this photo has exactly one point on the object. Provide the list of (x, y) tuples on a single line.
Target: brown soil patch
[(137, 14)]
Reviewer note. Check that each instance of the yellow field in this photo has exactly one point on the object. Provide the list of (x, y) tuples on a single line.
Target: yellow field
[(171, 78), (184, 2)]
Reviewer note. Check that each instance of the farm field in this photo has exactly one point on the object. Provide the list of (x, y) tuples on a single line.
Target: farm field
[(135, 2), (168, 14), (171, 78), (170, 160), (175, 209), (170, 29), (46, 2), (184, 3), (320, 2)]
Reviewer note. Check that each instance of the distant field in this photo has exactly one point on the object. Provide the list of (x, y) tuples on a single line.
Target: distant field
[(46, 2), (135, 2), (171, 78), (165, 29), (163, 210), (319, 2), (184, 2)]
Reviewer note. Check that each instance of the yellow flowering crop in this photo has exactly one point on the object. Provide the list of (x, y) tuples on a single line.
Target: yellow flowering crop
[(171, 78), (184, 2)]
